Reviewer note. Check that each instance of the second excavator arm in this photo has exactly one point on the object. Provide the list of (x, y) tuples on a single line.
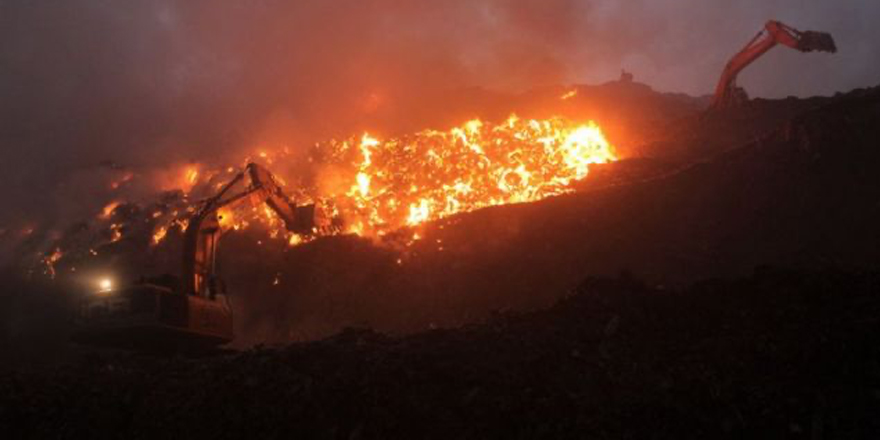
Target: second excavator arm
[(727, 93), (203, 229)]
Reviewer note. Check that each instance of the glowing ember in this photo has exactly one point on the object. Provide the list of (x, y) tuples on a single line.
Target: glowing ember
[(568, 95), (159, 234), (108, 210), (50, 260), (115, 232), (294, 240), (418, 214)]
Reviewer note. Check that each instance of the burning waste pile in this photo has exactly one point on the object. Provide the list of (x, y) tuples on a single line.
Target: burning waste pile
[(361, 185), (432, 174)]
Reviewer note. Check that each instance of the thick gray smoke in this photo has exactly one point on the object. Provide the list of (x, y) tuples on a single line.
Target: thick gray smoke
[(152, 82)]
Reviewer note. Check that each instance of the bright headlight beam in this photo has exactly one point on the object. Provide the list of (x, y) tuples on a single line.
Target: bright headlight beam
[(105, 284)]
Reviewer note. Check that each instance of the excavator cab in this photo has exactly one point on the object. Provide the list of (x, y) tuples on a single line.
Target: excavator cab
[(151, 317), (190, 312)]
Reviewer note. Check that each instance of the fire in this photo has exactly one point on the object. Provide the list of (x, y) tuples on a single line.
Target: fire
[(568, 95), (108, 209), (159, 234), (294, 240), (410, 180), (363, 184), (584, 147), (366, 143), (227, 219), (192, 176), (50, 260), (418, 213), (383, 185)]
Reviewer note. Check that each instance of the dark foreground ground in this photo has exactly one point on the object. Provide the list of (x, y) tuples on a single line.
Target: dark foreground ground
[(782, 354)]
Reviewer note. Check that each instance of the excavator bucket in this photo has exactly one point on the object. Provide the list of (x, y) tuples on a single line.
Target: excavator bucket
[(817, 41), (147, 317), (300, 219)]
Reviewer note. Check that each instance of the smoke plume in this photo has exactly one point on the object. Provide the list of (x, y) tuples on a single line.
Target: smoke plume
[(92, 87)]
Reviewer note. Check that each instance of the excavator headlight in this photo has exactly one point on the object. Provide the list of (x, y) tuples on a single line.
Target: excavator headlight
[(105, 285)]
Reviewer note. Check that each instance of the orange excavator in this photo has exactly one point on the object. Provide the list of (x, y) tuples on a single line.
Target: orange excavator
[(727, 94), (192, 312)]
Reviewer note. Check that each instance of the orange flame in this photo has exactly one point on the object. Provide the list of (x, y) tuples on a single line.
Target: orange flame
[(568, 95), (385, 185), (159, 234), (431, 175), (108, 210)]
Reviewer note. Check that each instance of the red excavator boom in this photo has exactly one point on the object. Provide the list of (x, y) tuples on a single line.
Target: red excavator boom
[(190, 312), (728, 94)]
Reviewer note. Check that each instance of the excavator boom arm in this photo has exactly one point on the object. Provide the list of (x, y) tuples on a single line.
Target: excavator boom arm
[(203, 229), (189, 315), (773, 33)]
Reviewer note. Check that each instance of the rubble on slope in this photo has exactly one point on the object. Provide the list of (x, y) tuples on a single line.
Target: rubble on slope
[(781, 352)]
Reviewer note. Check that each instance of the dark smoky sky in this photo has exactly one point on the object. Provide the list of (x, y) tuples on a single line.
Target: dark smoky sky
[(149, 82)]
